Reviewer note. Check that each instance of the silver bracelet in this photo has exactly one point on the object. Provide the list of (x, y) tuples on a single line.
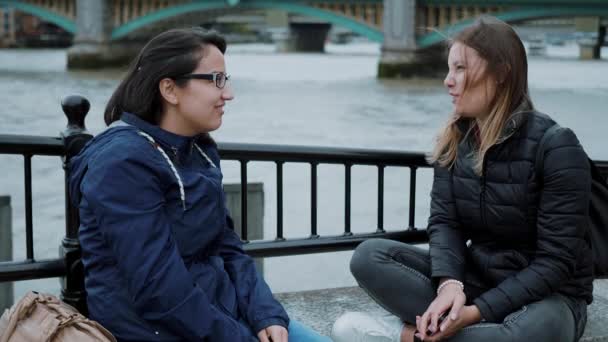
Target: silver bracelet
[(450, 281)]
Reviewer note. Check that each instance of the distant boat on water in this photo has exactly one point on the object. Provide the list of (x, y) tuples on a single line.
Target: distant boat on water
[(537, 46)]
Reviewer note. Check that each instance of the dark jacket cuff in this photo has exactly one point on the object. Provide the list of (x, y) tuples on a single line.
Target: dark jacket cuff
[(487, 315), (447, 271), (265, 323)]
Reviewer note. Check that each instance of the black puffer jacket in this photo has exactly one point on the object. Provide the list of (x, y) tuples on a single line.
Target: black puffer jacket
[(526, 241)]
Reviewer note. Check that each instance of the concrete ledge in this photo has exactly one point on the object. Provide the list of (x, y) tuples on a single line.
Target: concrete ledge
[(320, 308), (404, 70), (98, 56), (425, 63)]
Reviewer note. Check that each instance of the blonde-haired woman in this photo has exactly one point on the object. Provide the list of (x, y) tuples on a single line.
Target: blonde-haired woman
[(508, 257)]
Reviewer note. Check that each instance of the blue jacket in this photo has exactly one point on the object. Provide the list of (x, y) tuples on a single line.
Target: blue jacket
[(162, 262)]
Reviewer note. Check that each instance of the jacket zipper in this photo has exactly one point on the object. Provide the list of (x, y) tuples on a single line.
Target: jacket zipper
[(482, 195), (482, 200)]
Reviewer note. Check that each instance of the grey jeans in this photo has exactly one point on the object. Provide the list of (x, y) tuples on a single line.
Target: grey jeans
[(397, 276)]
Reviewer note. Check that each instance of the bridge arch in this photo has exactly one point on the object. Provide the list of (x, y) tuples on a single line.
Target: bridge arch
[(515, 16), (43, 13), (371, 33)]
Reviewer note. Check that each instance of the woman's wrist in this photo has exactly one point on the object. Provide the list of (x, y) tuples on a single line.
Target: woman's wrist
[(474, 314)]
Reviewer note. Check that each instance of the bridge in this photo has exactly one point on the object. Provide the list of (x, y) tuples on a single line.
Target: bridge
[(409, 30)]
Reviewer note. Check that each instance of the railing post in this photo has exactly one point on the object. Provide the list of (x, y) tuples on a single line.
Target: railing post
[(412, 216), (74, 138), (380, 228), (255, 216), (6, 249)]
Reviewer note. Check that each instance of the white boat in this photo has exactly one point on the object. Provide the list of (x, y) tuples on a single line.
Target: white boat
[(537, 46)]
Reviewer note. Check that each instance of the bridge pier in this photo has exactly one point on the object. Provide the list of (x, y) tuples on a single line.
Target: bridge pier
[(92, 47), (307, 37), (401, 58), (591, 37)]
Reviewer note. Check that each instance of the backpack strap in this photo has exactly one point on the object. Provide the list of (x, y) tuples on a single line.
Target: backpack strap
[(596, 174), (540, 158), (540, 152)]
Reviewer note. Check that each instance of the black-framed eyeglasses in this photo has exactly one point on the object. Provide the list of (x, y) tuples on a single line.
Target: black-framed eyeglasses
[(219, 78)]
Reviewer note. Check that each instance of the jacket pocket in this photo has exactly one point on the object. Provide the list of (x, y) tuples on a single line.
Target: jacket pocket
[(224, 287)]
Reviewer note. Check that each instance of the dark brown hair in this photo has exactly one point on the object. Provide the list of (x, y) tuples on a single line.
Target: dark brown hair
[(170, 54)]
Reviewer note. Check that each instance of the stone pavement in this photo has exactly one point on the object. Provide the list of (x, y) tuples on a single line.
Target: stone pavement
[(320, 308)]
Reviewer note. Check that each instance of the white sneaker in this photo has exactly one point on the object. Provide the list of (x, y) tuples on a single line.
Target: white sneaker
[(363, 327)]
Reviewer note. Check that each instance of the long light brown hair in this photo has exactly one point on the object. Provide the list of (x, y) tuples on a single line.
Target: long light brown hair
[(496, 43)]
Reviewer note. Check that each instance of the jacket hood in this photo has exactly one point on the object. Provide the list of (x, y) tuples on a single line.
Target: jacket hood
[(78, 165), (181, 145)]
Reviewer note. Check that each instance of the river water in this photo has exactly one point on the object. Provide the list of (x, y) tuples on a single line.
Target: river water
[(330, 99)]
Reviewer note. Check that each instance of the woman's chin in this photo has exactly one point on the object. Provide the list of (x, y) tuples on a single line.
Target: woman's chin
[(465, 114), (216, 125), (458, 112)]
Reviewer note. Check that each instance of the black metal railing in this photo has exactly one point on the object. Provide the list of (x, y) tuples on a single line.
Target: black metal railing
[(315, 156), (29, 146), (69, 267)]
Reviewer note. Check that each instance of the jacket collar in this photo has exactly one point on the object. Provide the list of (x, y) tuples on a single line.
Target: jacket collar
[(178, 143), (513, 123)]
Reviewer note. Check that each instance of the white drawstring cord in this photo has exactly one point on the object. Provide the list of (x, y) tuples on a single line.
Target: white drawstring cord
[(182, 193), (204, 155)]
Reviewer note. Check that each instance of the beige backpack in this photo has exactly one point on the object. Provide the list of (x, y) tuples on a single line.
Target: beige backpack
[(39, 317)]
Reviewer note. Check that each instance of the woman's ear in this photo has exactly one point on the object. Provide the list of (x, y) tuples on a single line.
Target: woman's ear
[(166, 86)]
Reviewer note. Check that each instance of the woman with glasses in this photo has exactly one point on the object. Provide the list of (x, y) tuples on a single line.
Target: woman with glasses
[(161, 259)]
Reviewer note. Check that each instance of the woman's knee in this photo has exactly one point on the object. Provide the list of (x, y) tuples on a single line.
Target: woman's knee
[(372, 255), (365, 256), (547, 320)]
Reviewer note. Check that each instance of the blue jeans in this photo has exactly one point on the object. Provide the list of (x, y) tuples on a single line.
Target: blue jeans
[(298, 332), (301, 333)]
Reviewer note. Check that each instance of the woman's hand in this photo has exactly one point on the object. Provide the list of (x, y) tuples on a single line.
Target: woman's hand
[(451, 297), (276, 333), (468, 315)]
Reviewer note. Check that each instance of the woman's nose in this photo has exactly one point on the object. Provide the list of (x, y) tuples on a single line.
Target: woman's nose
[(228, 93), (448, 81)]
